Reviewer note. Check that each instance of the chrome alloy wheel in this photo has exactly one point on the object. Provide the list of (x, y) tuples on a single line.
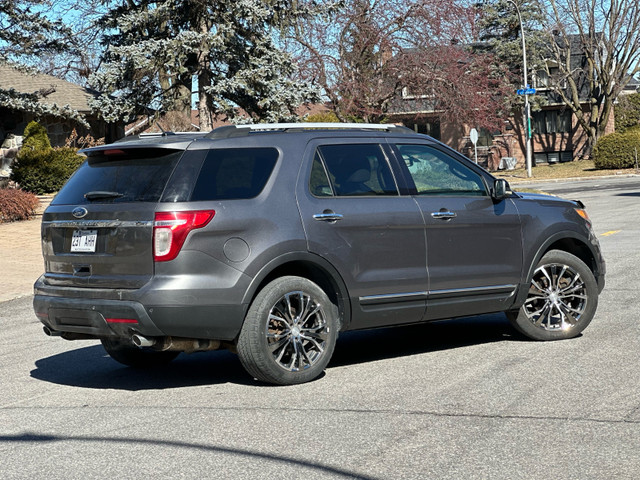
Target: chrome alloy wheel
[(297, 331), (557, 297)]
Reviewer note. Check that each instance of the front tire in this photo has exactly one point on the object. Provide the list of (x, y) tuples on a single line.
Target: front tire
[(289, 333), (126, 353), (562, 299)]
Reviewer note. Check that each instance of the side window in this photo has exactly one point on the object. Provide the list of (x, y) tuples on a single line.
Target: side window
[(436, 173), (351, 170), (319, 184), (234, 173)]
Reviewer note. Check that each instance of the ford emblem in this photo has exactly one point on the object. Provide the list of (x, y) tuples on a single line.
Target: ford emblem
[(79, 212)]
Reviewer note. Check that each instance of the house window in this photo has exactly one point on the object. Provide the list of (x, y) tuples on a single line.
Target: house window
[(485, 138), (553, 157), (541, 79), (551, 121), (428, 127)]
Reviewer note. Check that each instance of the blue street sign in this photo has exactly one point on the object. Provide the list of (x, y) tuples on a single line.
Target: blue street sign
[(526, 91)]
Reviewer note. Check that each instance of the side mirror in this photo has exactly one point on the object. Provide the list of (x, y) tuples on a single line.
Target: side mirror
[(500, 190)]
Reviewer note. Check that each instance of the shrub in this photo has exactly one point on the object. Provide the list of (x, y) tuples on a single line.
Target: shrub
[(16, 205), (617, 150), (35, 137), (322, 117), (627, 112), (39, 168), (45, 171)]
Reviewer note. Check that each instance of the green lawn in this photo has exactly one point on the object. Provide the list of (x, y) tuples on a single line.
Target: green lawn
[(577, 168)]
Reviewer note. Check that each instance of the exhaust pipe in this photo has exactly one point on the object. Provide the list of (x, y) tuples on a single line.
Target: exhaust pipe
[(68, 335), (51, 333), (189, 345), (140, 341), (172, 344)]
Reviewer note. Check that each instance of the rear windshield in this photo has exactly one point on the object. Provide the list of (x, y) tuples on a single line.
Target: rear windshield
[(135, 176), (234, 173)]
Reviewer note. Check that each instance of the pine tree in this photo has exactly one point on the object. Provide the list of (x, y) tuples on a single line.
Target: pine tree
[(26, 36), (158, 49), (500, 32)]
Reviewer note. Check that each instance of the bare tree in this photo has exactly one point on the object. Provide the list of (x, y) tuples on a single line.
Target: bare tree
[(368, 52), (605, 35)]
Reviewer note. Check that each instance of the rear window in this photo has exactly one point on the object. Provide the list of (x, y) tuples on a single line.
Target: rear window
[(133, 176), (234, 173)]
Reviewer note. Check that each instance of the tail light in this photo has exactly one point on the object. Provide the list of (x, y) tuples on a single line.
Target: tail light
[(170, 229)]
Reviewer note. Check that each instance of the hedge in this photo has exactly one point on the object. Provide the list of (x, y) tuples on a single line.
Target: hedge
[(16, 205), (617, 150)]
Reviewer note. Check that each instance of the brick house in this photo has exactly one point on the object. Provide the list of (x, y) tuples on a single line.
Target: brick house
[(557, 136)]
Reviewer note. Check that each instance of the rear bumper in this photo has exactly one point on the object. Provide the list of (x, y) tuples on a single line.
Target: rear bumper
[(95, 313), (95, 318)]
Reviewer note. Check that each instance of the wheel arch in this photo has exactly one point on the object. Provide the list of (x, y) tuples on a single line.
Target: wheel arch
[(311, 267), (569, 242)]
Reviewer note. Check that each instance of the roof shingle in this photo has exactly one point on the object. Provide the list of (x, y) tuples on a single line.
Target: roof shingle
[(56, 91)]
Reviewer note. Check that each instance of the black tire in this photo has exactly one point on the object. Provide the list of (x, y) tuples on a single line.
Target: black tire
[(562, 299), (125, 352), (289, 333)]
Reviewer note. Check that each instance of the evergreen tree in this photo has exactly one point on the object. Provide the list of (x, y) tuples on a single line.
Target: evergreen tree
[(500, 32), (26, 36), (156, 51)]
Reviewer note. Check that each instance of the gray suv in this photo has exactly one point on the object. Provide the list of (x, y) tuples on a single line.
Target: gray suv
[(269, 240)]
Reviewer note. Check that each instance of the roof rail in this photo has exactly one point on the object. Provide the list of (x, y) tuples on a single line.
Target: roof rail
[(317, 125), (177, 136), (167, 134), (230, 131)]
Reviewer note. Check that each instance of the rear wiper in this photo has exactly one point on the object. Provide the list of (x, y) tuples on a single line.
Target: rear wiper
[(100, 195)]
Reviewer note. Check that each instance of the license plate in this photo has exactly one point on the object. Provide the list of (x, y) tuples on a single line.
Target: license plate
[(84, 241)]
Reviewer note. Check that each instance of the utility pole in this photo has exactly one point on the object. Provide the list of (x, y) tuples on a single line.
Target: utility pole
[(527, 106)]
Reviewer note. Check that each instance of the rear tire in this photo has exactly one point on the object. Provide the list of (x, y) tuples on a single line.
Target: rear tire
[(126, 353), (562, 299), (289, 333)]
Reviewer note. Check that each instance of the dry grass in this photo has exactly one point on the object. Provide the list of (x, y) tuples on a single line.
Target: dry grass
[(577, 168)]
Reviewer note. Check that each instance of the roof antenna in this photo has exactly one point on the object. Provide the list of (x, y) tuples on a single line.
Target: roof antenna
[(165, 133)]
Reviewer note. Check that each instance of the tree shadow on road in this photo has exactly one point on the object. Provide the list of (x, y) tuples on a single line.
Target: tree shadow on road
[(91, 367)]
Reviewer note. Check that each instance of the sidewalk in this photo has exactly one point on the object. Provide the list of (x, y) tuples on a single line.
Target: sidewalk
[(21, 260)]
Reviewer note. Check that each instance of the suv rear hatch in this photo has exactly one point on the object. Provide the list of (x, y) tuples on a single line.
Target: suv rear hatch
[(98, 230)]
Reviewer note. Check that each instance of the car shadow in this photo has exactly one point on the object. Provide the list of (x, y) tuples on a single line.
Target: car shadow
[(385, 343), (91, 367)]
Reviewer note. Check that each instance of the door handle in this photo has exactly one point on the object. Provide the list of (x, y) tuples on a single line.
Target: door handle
[(327, 217), (444, 215)]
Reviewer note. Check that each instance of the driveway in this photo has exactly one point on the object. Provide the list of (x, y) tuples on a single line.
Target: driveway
[(20, 255)]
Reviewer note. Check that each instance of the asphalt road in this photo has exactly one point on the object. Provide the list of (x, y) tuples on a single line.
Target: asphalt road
[(459, 399)]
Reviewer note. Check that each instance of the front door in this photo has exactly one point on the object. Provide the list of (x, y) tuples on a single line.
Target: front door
[(474, 245)]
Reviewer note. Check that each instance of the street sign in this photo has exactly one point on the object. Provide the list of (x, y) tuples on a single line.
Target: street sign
[(473, 136), (526, 91)]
